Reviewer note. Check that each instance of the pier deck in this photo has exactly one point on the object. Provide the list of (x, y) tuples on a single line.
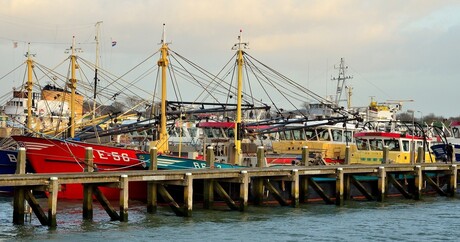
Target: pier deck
[(288, 185)]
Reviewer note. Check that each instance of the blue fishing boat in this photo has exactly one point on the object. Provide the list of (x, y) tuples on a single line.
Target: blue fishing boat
[(449, 141), (166, 162), (8, 161), (7, 166)]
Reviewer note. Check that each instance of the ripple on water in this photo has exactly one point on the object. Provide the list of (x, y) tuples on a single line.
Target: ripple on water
[(433, 219)]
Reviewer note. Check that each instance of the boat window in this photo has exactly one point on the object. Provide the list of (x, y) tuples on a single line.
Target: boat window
[(297, 134), (323, 135), (456, 132), (310, 134), (392, 144), (376, 144), (348, 136), (218, 133), (406, 145), (208, 132), (337, 135), (361, 144), (288, 135), (230, 133), (281, 135)]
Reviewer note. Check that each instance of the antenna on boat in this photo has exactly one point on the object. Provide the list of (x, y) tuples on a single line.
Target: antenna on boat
[(240, 45), (340, 80), (163, 36)]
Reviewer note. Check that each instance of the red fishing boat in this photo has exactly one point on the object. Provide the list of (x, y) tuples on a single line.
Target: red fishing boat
[(59, 156)]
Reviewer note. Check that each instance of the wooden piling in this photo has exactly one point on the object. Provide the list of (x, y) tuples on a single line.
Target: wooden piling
[(244, 190), (452, 186), (209, 183), (188, 194), (53, 190), (382, 183), (347, 155), (418, 182), (88, 188), (19, 192), (124, 196), (303, 189), (386, 153), (152, 187), (420, 155), (210, 157), (339, 187), (305, 156), (412, 152), (295, 188), (258, 182), (453, 154), (21, 161)]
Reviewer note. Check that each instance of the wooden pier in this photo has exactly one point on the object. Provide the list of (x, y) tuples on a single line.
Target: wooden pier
[(288, 185)]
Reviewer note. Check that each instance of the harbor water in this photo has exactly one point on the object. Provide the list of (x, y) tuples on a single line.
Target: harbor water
[(431, 219)]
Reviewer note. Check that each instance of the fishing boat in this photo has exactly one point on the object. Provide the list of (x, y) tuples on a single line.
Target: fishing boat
[(403, 144), (59, 156), (220, 136), (448, 141), (326, 143), (7, 166)]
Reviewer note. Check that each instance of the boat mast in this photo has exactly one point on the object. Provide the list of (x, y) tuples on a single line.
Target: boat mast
[(29, 85), (73, 86), (340, 80), (98, 25), (162, 144), (237, 131)]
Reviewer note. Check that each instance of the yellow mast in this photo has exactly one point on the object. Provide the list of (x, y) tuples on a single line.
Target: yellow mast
[(162, 144), (30, 64), (237, 130), (73, 86)]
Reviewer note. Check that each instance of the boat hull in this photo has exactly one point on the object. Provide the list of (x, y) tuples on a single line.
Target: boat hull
[(7, 166), (59, 156), (439, 151)]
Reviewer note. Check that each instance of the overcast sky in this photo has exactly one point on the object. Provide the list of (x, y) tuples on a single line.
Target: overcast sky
[(395, 50)]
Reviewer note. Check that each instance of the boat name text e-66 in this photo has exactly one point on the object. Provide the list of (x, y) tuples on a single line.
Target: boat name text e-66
[(115, 155)]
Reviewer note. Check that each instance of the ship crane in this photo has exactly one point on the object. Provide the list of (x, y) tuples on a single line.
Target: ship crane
[(398, 103)]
